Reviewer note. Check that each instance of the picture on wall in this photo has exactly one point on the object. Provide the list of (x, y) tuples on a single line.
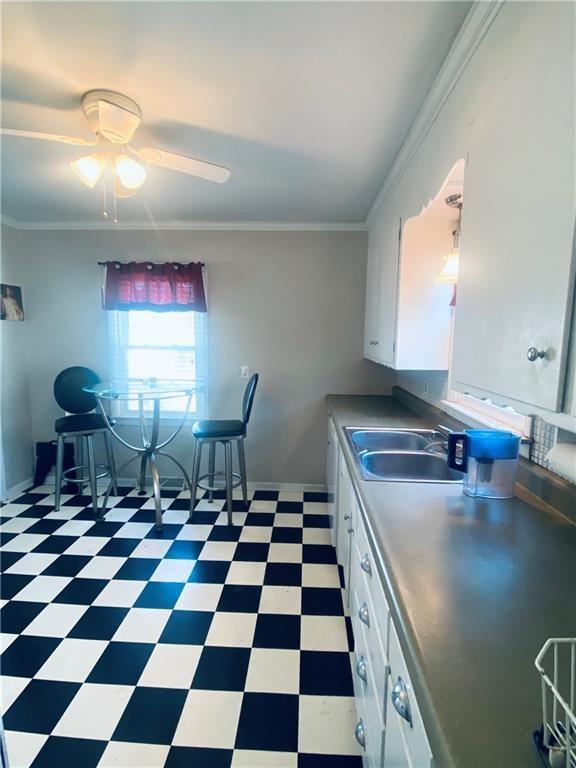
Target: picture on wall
[(11, 302)]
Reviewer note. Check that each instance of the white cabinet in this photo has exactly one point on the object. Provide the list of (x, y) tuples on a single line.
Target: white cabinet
[(518, 227), (409, 314), (388, 739), (345, 506), (332, 460), (381, 288)]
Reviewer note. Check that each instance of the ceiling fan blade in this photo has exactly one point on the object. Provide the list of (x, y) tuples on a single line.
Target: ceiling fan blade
[(183, 164), (48, 137)]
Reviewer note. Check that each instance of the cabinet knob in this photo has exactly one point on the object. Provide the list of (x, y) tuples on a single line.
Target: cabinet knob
[(401, 702), (346, 517), (534, 354), (359, 733), (364, 615), (361, 668), (350, 530), (373, 343), (365, 565)]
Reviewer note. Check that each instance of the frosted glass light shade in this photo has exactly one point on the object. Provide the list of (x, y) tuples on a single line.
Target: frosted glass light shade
[(89, 168), (449, 273), (130, 173)]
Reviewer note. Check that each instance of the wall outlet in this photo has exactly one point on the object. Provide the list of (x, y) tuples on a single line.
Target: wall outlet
[(244, 372)]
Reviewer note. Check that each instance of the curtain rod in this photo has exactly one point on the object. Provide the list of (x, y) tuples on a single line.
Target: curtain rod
[(105, 263)]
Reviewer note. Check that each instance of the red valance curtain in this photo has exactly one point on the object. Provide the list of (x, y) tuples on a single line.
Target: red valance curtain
[(169, 287)]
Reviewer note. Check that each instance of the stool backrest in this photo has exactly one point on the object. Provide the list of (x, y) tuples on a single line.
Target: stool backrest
[(248, 400), (68, 389)]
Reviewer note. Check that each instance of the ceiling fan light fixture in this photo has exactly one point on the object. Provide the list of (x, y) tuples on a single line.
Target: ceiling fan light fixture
[(89, 168), (121, 191), (130, 173)]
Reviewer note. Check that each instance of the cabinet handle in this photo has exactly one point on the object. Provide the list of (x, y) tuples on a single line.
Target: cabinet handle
[(364, 615), (365, 565), (346, 517), (350, 530), (373, 343), (401, 702), (534, 354), (359, 733), (361, 668)]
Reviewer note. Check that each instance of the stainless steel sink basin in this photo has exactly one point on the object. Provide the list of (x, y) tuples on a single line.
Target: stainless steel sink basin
[(362, 439), (407, 467), (401, 455)]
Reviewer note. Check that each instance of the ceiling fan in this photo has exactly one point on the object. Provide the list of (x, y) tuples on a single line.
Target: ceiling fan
[(114, 119)]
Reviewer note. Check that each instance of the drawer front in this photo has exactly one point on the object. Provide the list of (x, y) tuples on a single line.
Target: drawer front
[(368, 636), (369, 715), (362, 552), (414, 735)]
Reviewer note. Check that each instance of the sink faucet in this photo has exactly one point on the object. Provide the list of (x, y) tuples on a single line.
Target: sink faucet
[(441, 444)]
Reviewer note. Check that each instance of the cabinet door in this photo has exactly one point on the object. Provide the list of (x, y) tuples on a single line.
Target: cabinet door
[(518, 226), (344, 528), (395, 750), (332, 459), (382, 289), (371, 318)]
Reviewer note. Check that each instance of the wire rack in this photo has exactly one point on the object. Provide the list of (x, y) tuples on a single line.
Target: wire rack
[(556, 664)]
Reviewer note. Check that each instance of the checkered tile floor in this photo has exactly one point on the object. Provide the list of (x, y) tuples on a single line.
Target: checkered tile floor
[(202, 646)]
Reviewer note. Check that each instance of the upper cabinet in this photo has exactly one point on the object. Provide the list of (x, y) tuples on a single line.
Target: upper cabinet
[(517, 231), (409, 313), (512, 116)]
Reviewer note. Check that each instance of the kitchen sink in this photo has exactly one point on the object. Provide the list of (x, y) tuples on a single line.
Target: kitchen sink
[(407, 467), (392, 439), (401, 455)]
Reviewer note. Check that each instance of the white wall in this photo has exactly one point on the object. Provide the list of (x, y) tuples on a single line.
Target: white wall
[(16, 427), (289, 305)]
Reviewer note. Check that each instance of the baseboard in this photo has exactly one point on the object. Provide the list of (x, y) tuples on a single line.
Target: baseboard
[(176, 482), (17, 490)]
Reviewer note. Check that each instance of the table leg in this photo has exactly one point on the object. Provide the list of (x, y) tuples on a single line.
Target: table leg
[(142, 479), (156, 486), (184, 475), (110, 484)]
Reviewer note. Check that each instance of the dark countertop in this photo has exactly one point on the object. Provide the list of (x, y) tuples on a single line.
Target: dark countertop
[(475, 587)]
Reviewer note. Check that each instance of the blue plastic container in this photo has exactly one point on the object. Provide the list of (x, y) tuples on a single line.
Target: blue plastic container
[(489, 460)]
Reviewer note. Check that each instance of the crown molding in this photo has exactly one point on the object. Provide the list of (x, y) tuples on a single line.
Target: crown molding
[(8, 221), (210, 226), (469, 37)]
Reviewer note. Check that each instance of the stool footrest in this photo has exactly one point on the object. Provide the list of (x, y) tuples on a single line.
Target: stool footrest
[(85, 477), (237, 480)]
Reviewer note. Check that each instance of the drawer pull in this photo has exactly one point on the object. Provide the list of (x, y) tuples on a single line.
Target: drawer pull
[(364, 615), (361, 668), (401, 702), (365, 565), (359, 733)]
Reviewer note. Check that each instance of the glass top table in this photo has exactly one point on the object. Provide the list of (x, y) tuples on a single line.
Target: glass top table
[(143, 391)]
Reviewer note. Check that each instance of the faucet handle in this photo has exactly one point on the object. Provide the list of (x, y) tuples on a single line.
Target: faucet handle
[(445, 431)]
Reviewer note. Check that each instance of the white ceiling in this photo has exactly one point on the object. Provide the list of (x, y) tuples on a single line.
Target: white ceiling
[(306, 103)]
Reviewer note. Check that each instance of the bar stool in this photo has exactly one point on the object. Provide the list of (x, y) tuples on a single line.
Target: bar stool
[(225, 432), (80, 423)]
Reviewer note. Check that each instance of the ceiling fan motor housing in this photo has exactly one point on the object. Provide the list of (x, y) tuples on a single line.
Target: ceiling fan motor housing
[(111, 115)]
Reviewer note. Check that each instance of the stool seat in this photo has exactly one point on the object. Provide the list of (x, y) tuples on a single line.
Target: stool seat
[(219, 428), (80, 422)]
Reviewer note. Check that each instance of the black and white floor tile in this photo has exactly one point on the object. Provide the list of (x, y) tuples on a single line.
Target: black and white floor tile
[(201, 645)]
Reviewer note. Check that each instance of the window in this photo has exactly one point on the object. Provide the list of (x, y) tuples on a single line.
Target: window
[(162, 345)]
